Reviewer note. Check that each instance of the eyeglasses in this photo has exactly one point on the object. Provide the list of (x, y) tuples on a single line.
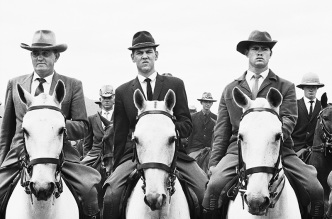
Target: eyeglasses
[(45, 53)]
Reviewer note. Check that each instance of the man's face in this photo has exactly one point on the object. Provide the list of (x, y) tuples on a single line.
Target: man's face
[(107, 102), (145, 59), (259, 56), (310, 92), (43, 62), (206, 105)]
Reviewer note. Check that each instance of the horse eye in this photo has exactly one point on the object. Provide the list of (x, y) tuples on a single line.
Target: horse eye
[(171, 140), (135, 139), (278, 136), (325, 117), (25, 132), (240, 137)]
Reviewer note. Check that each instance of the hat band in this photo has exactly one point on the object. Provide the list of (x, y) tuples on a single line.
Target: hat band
[(146, 43), (41, 44)]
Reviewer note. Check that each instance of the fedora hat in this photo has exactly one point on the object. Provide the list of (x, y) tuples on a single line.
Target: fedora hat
[(142, 39), (44, 39), (256, 37), (106, 91), (310, 79), (207, 96)]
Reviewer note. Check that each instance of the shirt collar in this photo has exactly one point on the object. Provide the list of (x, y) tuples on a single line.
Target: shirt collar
[(48, 79), (306, 100), (153, 77), (250, 74)]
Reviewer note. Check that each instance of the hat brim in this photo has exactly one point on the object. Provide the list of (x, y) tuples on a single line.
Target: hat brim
[(207, 100), (244, 45), (97, 102), (58, 48), (143, 45), (310, 84)]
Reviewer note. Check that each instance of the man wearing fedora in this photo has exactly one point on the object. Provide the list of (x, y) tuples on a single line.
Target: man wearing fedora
[(256, 82), (93, 142), (203, 125), (44, 54), (154, 86), (308, 109)]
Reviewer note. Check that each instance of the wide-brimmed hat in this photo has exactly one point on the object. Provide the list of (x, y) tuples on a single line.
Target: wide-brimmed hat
[(207, 96), (105, 91), (256, 37), (45, 40), (310, 79), (142, 39)]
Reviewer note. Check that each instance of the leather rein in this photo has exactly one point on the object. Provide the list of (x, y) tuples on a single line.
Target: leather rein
[(171, 170), (27, 164), (274, 188)]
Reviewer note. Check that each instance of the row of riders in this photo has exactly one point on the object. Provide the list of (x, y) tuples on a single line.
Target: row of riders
[(152, 109)]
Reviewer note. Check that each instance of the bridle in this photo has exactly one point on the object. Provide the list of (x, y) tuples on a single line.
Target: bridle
[(27, 164), (171, 170), (243, 172)]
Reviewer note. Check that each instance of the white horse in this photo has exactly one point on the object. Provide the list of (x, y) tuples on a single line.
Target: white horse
[(159, 194), (44, 194), (265, 192)]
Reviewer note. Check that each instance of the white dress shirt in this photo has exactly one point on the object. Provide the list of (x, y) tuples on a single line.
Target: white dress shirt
[(143, 83), (251, 79), (46, 85), (307, 104)]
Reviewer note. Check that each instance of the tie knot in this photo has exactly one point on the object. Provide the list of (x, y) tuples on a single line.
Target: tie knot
[(256, 77), (147, 80), (311, 101), (41, 80)]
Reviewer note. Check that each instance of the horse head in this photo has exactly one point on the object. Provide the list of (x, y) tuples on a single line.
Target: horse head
[(43, 129), (155, 139), (259, 138)]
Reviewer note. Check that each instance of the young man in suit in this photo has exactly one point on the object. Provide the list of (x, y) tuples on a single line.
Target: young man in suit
[(256, 82), (44, 54), (154, 86), (93, 141), (203, 126), (308, 109)]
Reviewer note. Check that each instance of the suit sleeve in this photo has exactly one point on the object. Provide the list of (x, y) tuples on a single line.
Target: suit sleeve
[(181, 111), (288, 112), (88, 139), (121, 128), (77, 123), (222, 133), (8, 123)]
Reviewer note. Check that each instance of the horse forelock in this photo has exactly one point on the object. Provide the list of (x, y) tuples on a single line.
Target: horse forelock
[(44, 99)]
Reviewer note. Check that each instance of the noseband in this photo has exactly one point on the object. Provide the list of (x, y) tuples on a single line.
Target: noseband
[(27, 164), (243, 172), (171, 170)]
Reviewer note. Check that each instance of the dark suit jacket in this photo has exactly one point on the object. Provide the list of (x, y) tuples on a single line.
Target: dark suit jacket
[(125, 111), (229, 114), (73, 108), (303, 134), (93, 141), (201, 135)]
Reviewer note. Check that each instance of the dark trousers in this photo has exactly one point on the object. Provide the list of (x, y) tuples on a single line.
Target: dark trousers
[(84, 180), (115, 184), (305, 174)]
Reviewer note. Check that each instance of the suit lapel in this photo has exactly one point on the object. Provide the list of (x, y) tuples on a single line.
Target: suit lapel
[(98, 121), (137, 85), (26, 83), (158, 86), (267, 81), (54, 82), (244, 84), (317, 109), (303, 107)]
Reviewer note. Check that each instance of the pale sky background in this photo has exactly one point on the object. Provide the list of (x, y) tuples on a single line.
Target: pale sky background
[(197, 39)]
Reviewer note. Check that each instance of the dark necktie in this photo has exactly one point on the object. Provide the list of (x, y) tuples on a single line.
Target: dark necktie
[(40, 88), (255, 86), (148, 88), (310, 111), (206, 118)]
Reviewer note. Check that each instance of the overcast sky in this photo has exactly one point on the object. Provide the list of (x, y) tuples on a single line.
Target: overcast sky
[(197, 39)]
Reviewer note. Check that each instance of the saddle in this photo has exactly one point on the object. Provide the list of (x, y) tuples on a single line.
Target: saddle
[(132, 180)]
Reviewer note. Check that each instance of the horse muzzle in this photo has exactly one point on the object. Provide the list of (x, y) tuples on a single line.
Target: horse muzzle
[(155, 201), (257, 205), (42, 191)]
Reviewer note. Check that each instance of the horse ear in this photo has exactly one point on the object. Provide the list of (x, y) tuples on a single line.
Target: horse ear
[(59, 91), (240, 98), (170, 99), (274, 97), (323, 100), (25, 96), (139, 100)]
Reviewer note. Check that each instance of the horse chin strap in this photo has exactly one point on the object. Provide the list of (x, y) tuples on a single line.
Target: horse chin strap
[(276, 184), (28, 164), (171, 170)]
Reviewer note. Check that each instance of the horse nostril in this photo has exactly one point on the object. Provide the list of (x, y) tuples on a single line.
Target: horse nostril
[(245, 199), (164, 199)]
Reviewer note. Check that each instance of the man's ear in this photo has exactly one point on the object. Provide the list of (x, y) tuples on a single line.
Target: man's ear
[(157, 54), (57, 55), (132, 57)]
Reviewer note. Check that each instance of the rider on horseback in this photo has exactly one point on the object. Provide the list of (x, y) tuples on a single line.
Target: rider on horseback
[(224, 156)]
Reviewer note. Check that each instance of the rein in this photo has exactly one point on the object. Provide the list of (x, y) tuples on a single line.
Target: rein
[(28, 164), (243, 172), (171, 170)]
